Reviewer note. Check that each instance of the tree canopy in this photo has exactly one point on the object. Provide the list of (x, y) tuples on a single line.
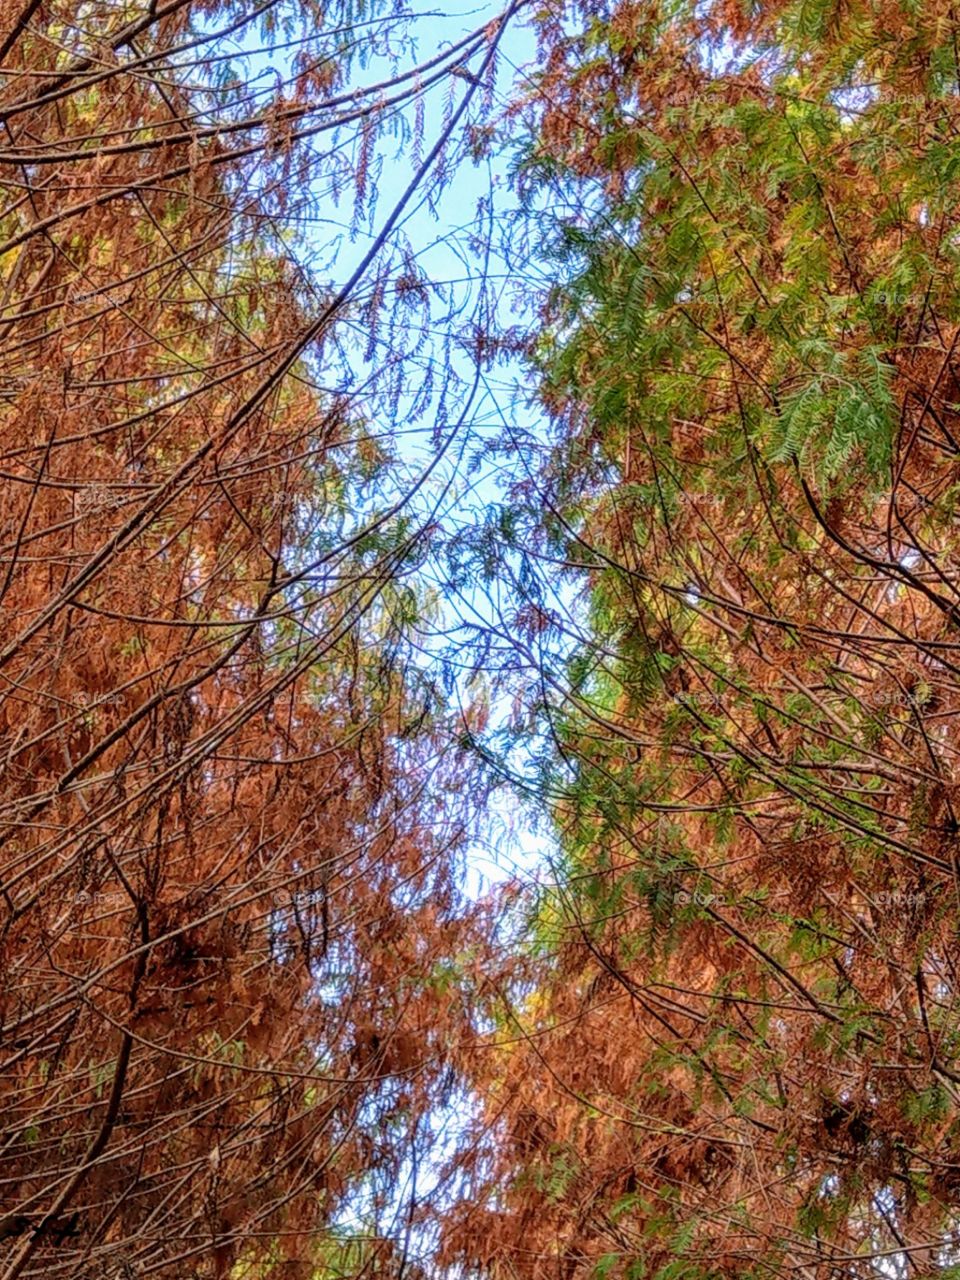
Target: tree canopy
[(285, 619)]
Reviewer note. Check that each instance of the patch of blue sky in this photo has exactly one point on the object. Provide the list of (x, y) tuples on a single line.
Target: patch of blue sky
[(420, 380)]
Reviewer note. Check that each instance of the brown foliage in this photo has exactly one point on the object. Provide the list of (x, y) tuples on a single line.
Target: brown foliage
[(222, 892), (744, 1062)]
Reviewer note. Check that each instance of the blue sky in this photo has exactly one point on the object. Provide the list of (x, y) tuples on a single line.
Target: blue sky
[(452, 235)]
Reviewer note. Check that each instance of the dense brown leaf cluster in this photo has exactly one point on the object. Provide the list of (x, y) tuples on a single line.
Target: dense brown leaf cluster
[(745, 1063), (226, 855)]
